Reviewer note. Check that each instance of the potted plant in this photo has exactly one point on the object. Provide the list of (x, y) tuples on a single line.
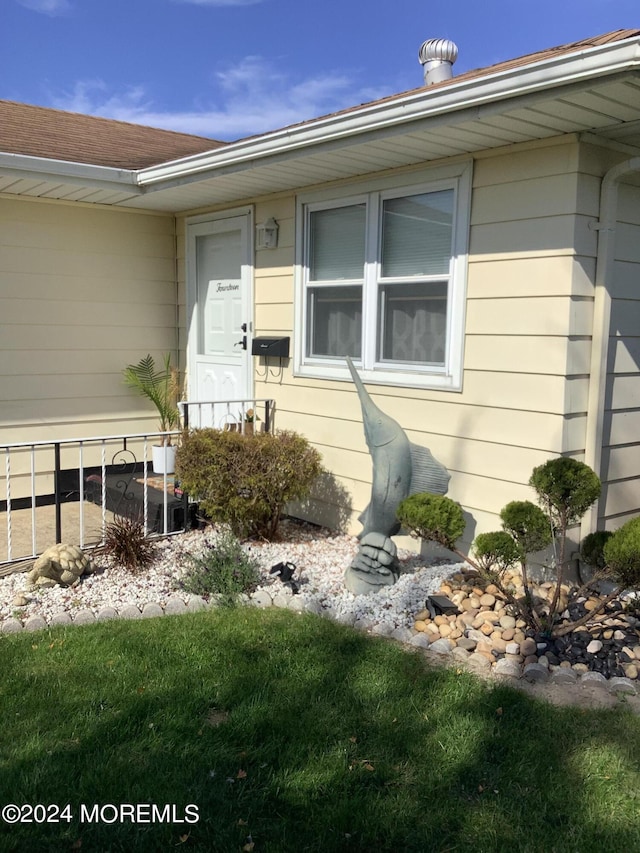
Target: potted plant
[(161, 386), (249, 419)]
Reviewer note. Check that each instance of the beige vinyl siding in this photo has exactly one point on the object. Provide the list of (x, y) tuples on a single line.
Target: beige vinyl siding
[(527, 341), (620, 468), (84, 291), (528, 327)]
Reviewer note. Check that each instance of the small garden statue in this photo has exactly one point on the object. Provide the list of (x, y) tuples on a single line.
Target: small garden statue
[(400, 468), (61, 565)]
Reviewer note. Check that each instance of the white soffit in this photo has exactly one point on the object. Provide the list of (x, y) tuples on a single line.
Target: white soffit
[(242, 170), (596, 90)]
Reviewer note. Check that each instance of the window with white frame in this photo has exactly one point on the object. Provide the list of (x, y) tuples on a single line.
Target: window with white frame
[(382, 279)]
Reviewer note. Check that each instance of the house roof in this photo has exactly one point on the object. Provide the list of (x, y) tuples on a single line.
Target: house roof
[(58, 135), (590, 87), (496, 68)]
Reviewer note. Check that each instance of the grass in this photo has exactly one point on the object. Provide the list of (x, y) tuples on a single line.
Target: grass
[(293, 733)]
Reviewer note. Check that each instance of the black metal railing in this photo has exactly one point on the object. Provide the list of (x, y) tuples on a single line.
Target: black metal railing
[(69, 490)]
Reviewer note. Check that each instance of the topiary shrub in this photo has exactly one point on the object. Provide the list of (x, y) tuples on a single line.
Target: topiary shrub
[(434, 518), (226, 571), (592, 549), (622, 554), (567, 487), (246, 480), (496, 551), (528, 525)]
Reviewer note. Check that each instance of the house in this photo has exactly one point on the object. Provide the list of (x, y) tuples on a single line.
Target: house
[(474, 244)]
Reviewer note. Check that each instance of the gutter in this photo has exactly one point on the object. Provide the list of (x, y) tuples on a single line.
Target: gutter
[(593, 63), (601, 322), (22, 166)]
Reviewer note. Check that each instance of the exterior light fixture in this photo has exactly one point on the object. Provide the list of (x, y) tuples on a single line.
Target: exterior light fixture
[(267, 234)]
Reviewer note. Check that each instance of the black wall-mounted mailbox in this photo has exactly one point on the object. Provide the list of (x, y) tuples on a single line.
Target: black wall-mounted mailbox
[(271, 347)]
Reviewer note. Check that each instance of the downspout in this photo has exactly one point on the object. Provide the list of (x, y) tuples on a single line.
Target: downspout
[(601, 322)]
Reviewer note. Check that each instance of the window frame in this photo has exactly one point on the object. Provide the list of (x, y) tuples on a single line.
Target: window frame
[(373, 193)]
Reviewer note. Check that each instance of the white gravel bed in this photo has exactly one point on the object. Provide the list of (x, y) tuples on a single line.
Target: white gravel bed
[(320, 556)]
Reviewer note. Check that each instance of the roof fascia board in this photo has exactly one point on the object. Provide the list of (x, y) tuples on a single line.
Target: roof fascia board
[(557, 71), (82, 174), (427, 122)]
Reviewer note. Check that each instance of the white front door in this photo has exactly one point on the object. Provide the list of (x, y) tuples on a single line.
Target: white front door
[(219, 304)]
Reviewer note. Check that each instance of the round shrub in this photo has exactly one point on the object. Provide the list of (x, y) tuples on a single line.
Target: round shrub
[(225, 571), (567, 486), (246, 480), (622, 554), (434, 518), (592, 548), (528, 525), (496, 550)]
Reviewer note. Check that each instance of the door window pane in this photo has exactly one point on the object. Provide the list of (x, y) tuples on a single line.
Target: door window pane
[(413, 322), (416, 234), (334, 326), (336, 243)]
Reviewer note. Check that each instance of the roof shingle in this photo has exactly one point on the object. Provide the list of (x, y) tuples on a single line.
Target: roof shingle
[(57, 135)]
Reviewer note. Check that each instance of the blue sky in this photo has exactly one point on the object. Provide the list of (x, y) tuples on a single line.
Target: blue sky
[(231, 68)]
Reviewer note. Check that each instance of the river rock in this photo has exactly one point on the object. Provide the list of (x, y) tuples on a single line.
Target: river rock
[(507, 667), (442, 647), (422, 641)]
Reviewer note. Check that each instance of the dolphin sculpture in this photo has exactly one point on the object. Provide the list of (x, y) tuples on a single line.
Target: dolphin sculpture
[(400, 469)]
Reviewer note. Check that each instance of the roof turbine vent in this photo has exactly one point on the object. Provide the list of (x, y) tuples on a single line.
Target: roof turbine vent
[(437, 56)]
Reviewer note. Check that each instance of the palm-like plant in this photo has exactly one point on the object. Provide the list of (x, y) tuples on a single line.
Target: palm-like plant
[(159, 386)]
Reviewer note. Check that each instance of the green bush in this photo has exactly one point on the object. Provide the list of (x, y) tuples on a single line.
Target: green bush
[(568, 487), (592, 548), (622, 554), (246, 480), (434, 518), (528, 525), (226, 570), (497, 550)]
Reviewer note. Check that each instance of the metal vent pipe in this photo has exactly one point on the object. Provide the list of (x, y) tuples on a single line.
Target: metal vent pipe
[(437, 57)]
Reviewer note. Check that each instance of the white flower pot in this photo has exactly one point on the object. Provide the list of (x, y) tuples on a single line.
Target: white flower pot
[(164, 458)]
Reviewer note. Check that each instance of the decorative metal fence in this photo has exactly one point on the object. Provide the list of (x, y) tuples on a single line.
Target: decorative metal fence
[(242, 415), (69, 490)]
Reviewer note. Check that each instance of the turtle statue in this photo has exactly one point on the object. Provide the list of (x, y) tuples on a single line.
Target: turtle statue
[(59, 565)]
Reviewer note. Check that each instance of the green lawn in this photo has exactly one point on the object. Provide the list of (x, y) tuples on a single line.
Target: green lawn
[(292, 733)]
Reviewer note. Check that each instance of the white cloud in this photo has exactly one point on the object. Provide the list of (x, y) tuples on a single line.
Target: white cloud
[(253, 97), (47, 7)]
